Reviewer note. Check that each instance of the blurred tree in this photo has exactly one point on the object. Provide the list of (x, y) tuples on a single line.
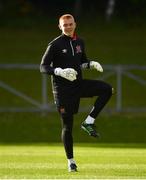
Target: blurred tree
[(131, 8), (1, 6), (25, 7), (79, 8), (110, 9)]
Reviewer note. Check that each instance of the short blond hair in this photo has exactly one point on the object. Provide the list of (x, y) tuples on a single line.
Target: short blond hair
[(66, 16)]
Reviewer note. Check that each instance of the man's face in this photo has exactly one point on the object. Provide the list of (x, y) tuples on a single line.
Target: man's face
[(67, 26)]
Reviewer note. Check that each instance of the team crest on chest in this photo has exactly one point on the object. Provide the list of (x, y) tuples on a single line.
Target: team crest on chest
[(78, 49), (64, 51)]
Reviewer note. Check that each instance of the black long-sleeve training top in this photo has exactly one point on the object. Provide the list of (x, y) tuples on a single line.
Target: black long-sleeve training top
[(64, 52)]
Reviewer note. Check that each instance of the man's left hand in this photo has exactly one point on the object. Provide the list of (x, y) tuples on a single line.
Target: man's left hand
[(96, 65)]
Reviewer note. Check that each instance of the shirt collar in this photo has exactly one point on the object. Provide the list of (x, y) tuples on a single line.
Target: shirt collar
[(72, 38)]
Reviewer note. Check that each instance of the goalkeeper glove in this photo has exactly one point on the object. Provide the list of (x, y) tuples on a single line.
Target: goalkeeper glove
[(96, 65), (67, 73)]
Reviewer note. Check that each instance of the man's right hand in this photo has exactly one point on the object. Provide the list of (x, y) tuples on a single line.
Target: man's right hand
[(67, 73)]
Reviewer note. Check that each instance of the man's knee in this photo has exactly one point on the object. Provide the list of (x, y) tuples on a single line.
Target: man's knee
[(67, 122), (110, 90), (113, 90), (66, 129)]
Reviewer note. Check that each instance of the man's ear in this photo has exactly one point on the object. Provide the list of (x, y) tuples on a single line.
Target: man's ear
[(59, 26), (75, 25)]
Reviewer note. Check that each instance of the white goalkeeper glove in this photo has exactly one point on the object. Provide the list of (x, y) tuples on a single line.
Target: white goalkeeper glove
[(96, 65), (67, 73)]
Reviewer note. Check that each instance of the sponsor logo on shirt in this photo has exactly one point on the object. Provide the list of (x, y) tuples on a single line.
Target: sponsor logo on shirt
[(64, 51), (78, 49)]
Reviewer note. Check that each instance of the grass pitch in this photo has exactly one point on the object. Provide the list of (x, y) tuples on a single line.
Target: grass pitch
[(95, 161)]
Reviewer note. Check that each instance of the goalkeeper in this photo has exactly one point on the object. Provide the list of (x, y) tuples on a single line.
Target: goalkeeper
[(64, 59)]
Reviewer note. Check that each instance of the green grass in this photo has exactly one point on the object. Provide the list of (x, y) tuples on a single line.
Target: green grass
[(47, 161), (37, 127)]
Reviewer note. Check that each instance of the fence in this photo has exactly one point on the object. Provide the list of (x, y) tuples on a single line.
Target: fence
[(118, 71)]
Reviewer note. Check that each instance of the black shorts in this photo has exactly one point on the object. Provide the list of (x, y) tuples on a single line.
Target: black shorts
[(67, 98)]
